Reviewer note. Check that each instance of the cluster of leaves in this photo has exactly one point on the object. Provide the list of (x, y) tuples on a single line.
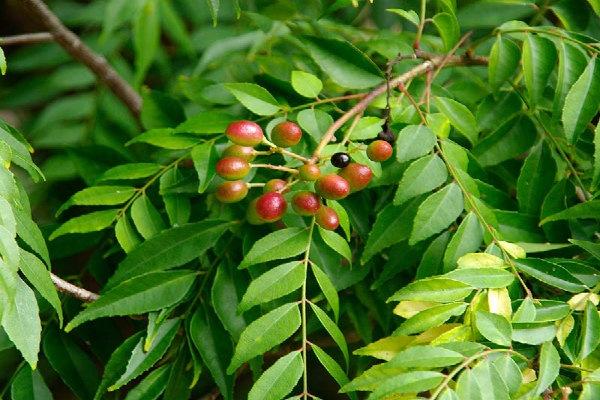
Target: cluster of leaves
[(481, 227)]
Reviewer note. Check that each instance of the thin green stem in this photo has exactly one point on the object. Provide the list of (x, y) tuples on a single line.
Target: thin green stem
[(417, 43), (304, 301), (555, 33)]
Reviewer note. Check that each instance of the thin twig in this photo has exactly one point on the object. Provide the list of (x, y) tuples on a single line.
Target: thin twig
[(26, 38), (73, 290), (81, 52), (368, 99)]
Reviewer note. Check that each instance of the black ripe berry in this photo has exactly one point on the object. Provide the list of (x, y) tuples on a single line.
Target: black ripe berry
[(386, 135), (340, 160)]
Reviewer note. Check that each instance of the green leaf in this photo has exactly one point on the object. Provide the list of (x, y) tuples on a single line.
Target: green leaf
[(206, 123), (589, 209), (590, 247), (284, 243), (550, 273), (21, 322), (152, 386), (571, 63), (279, 379), (422, 176), (345, 64), (29, 385), (596, 175), (460, 117), (590, 331), (255, 98), (117, 363), (146, 217), (414, 141), (468, 238), (581, 103), (482, 278), (210, 339), (138, 295), (342, 215), (225, 296), (488, 377), (306, 84), (508, 141), (494, 327), (407, 382), (504, 61), (20, 150), (433, 289), (328, 289), (146, 37), (448, 27), (595, 5), (332, 367), (92, 222), (205, 158), (429, 318), (72, 364), (333, 330), (409, 15), (265, 333), (509, 371), (536, 176), (213, 6), (165, 138), (425, 357), (437, 212), (549, 367), (367, 128), (315, 122), (391, 226), (525, 312), (160, 110), (170, 248), (337, 243), (130, 171), (467, 386), (431, 262), (36, 273), (273, 284), (534, 333), (142, 359), (126, 234), (99, 196), (2, 62), (539, 59)]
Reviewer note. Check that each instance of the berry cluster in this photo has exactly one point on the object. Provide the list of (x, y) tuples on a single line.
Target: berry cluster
[(236, 163)]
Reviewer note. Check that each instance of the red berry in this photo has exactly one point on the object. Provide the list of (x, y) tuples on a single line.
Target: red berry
[(357, 175), (232, 168), (243, 152), (379, 150), (286, 134), (271, 206), (327, 218), (275, 185), (332, 187), (309, 172), (306, 203), (231, 191), (252, 215), (244, 133)]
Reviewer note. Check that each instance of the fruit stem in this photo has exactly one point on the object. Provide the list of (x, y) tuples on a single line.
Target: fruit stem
[(253, 185), (417, 43), (289, 185), (276, 167), (277, 149)]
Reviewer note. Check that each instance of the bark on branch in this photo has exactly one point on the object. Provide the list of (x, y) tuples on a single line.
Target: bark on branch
[(26, 38), (81, 52), (72, 290), (430, 64)]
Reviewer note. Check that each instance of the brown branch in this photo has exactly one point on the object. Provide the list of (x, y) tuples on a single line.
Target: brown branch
[(428, 65), (72, 290), (26, 38), (81, 52)]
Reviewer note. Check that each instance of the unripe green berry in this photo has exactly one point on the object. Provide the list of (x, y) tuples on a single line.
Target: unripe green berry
[(327, 218), (271, 206), (275, 185), (332, 187), (231, 191), (309, 172), (306, 203), (243, 152), (357, 175), (244, 133), (232, 168), (379, 150), (286, 134)]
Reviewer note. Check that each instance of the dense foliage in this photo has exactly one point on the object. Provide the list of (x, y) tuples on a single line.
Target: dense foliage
[(468, 268)]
